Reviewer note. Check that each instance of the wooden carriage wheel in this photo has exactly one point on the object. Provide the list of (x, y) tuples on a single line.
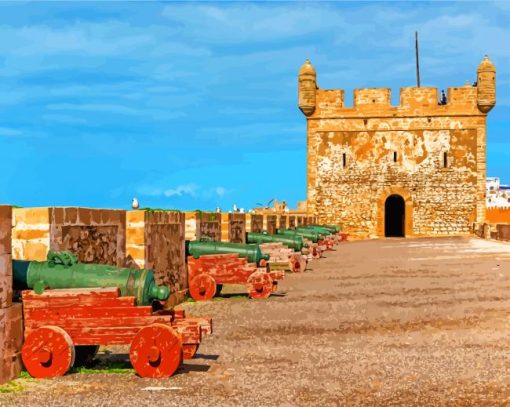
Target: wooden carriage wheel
[(260, 285), (202, 287), (297, 263), (48, 352), (156, 351), (189, 350), (316, 252)]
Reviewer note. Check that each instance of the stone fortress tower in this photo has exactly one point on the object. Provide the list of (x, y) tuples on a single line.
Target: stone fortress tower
[(416, 169)]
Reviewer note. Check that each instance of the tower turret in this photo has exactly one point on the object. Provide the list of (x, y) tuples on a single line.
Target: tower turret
[(307, 86), (486, 83)]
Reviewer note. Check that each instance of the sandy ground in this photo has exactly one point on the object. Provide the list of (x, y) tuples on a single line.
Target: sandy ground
[(394, 322)]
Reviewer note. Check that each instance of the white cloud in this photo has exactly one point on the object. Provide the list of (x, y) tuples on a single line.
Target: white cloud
[(220, 191), (241, 22), (188, 189), (191, 190), (8, 132)]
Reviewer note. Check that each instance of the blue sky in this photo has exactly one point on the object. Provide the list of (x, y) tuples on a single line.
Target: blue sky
[(194, 105)]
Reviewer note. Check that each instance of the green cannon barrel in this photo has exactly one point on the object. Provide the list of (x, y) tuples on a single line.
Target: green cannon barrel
[(334, 229), (294, 242), (318, 229), (307, 234), (63, 270), (197, 248)]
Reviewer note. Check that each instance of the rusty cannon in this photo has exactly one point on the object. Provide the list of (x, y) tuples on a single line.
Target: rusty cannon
[(74, 308)]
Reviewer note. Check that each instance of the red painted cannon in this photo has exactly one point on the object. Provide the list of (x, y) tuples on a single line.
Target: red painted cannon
[(64, 324), (208, 273)]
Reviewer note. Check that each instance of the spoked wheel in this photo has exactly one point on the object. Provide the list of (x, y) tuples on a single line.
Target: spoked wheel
[(48, 352), (189, 350), (202, 287), (260, 285), (85, 354), (156, 351)]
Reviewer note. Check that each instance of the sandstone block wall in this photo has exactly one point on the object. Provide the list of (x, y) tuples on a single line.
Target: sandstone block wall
[(360, 155), (155, 240), (233, 227), (203, 224), (270, 224), (5, 256), (292, 221), (254, 223), (283, 222), (94, 235), (11, 322)]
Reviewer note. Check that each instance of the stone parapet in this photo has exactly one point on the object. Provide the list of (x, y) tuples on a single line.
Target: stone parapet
[(155, 240), (94, 235)]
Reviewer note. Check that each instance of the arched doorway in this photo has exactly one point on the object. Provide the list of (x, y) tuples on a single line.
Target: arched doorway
[(394, 216)]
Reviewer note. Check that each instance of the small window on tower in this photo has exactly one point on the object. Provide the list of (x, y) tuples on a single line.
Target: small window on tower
[(344, 159), (394, 156), (445, 160)]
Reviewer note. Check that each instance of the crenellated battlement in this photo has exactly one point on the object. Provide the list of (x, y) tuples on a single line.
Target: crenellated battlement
[(477, 99), (413, 102), (408, 165)]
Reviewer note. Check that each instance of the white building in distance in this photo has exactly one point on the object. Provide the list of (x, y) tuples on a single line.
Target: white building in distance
[(498, 195)]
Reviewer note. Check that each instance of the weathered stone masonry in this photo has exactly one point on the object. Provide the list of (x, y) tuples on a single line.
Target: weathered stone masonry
[(432, 155)]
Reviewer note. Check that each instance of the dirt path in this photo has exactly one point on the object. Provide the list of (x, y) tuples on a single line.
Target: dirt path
[(395, 322)]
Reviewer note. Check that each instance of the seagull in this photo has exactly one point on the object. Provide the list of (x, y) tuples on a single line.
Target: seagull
[(135, 204)]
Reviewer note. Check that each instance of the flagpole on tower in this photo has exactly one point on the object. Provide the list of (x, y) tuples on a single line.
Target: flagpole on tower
[(417, 61)]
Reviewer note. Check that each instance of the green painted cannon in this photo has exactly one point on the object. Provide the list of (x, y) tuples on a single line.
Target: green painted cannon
[(318, 229), (333, 228), (197, 248), (294, 242), (307, 234), (63, 270)]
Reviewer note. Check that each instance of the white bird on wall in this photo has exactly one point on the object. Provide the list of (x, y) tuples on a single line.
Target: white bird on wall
[(135, 204)]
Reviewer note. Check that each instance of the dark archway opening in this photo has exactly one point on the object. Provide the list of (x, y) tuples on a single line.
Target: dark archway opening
[(394, 216)]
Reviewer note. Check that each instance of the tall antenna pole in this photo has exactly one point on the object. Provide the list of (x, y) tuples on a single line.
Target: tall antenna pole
[(417, 61)]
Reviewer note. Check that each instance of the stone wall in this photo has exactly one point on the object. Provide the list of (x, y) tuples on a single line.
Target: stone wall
[(500, 231), (359, 156), (283, 222), (433, 156), (94, 235), (11, 319), (254, 223), (233, 227), (292, 221), (155, 240), (203, 225), (270, 224)]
